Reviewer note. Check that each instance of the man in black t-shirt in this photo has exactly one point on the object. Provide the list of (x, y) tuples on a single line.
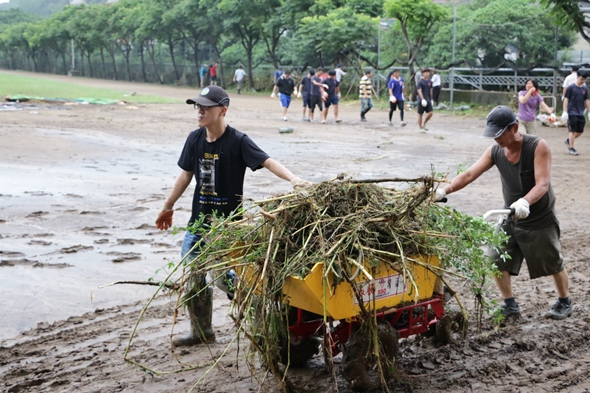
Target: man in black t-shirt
[(315, 95), (217, 156), (286, 85), (332, 94), (574, 103), (304, 90), (424, 89)]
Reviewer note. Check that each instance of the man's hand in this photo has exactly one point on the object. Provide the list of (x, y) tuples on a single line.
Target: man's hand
[(299, 183), (298, 95), (439, 195), (521, 208), (424, 103), (272, 95), (164, 220), (326, 86), (564, 117), (392, 99)]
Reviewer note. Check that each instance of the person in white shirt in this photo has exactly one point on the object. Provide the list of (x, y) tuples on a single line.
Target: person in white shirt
[(339, 73), (435, 86), (239, 77), (570, 80)]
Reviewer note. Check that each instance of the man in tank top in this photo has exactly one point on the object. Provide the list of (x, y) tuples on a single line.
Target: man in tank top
[(524, 163)]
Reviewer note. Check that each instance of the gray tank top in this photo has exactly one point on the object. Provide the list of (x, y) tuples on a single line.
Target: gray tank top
[(518, 179)]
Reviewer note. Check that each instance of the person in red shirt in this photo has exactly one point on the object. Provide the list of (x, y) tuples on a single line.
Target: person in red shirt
[(213, 73)]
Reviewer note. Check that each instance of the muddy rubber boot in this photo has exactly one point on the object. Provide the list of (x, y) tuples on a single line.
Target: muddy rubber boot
[(200, 310)]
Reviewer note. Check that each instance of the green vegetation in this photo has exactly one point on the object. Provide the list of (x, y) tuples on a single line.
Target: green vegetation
[(38, 87)]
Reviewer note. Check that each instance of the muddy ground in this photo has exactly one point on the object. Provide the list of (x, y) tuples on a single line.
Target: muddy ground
[(80, 187)]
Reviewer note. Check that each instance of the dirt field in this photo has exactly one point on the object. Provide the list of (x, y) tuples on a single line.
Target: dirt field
[(80, 187)]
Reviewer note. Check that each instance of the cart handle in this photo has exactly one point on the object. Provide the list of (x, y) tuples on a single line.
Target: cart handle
[(490, 213)]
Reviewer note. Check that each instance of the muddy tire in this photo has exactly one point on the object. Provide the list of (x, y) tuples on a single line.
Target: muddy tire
[(360, 367), (296, 354), (450, 328)]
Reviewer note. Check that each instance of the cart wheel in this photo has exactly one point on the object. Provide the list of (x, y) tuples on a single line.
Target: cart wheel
[(360, 366), (296, 354), (450, 328)]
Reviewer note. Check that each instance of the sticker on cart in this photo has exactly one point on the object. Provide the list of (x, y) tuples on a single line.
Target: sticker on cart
[(383, 288)]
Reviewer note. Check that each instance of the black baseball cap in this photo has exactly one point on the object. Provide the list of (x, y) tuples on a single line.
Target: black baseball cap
[(498, 120), (210, 96)]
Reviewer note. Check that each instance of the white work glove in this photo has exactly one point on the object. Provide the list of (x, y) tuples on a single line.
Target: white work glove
[(564, 117), (431, 103), (424, 103), (439, 194), (299, 183), (326, 86), (339, 96), (298, 95), (272, 95), (521, 208), (552, 117), (392, 99)]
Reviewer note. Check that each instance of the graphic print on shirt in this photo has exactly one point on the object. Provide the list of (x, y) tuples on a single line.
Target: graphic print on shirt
[(207, 173)]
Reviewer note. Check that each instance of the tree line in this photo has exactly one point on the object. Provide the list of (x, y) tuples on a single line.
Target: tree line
[(109, 38)]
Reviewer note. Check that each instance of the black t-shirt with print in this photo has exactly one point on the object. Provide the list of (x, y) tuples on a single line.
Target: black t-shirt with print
[(425, 85), (219, 169)]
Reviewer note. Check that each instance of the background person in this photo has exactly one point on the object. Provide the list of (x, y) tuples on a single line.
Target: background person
[(574, 104), (424, 90), (528, 101), (304, 91), (239, 76), (436, 86), (339, 73), (213, 73), (524, 163), (315, 94), (569, 80), (217, 156), (203, 74), (396, 96), (332, 95), (366, 93), (285, 85)]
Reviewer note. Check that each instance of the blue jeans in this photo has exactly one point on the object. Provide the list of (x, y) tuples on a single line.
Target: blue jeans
[(190, 239)]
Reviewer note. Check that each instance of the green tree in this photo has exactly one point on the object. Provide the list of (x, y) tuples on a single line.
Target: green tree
[(344, 32), (416, 19), (569, 15), (487, 32)]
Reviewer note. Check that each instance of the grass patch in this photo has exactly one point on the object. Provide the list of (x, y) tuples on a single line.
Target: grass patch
[(40, 87)]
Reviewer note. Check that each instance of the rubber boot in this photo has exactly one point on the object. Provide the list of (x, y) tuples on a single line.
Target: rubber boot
[(200, 310)]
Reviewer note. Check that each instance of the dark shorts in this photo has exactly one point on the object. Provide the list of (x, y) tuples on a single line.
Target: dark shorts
[(213, 77), (422, 109), (315, 100), (540, 248), (576, 123), (306, 100), (331, 101), (398, 104)]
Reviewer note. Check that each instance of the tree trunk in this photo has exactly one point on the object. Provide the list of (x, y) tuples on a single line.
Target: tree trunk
[(171, 48), (104, 69), (250, 74), (196, 59), (127, 54), (63, 61), (112, 53), (153, 57), (88, 55), (142, 63)]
